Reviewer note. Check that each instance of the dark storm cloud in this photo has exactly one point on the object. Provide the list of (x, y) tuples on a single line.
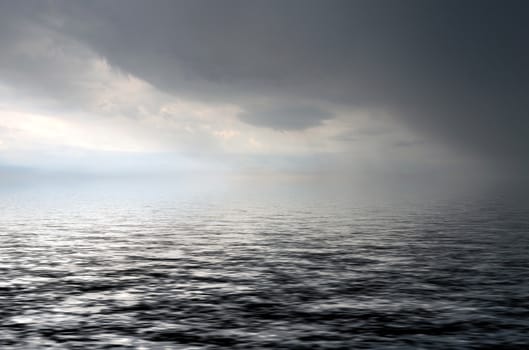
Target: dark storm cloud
[(457, 71)]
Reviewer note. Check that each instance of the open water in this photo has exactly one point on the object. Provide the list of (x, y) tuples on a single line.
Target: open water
[(201, 273)]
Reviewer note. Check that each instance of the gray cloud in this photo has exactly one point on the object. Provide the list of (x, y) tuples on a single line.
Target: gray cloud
[(456, 71), (285, 117)]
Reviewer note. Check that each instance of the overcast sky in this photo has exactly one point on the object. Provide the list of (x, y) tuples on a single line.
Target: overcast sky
[(396, 91)]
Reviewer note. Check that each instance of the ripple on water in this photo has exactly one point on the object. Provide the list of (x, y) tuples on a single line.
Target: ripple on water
[(265, 277)]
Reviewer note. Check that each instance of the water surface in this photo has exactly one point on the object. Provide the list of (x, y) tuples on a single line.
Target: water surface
[(166, 272)]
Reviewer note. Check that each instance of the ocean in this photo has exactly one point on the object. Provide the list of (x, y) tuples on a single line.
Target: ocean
[(100, 270)]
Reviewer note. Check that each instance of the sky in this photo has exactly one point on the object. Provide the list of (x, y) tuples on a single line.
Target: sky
[(405, 94)]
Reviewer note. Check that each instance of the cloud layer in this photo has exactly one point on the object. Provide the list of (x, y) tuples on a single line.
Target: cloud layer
[(447, 78)]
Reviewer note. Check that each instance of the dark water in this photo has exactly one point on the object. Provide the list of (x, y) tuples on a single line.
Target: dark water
[(212, 274)]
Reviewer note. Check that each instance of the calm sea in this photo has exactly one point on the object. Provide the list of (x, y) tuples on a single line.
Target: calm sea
[(94, 270)]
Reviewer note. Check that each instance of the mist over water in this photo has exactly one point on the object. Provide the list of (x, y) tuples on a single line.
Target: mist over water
[(160, 268)]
